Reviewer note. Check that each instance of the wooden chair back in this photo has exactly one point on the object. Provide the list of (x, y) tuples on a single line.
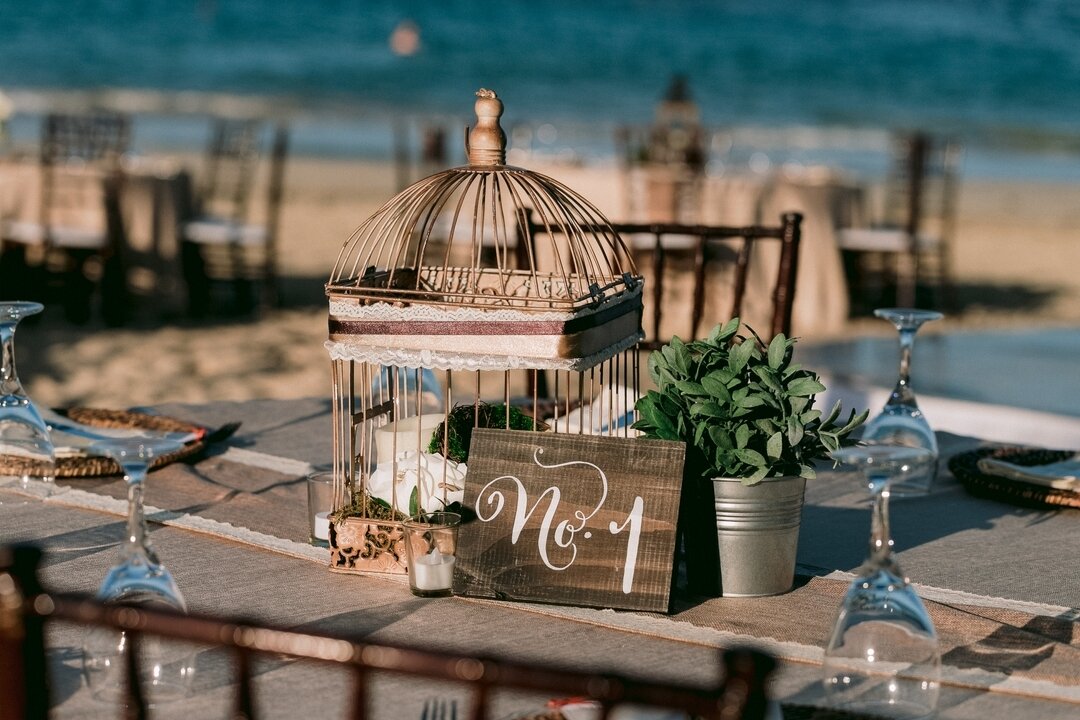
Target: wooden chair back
[(920, 199), (709, 246), (707, 253), (80, 168), (231, 160), (26, 609)]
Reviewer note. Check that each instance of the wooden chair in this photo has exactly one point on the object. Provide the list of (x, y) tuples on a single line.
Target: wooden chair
[(911, 241), (707, 247), (702, 243), (702, 250), (74, 244), (26, 609), (220, 243)]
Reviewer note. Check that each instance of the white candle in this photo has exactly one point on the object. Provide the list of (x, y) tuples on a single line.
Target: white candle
[(410, 434), (434, 571), (322, 525)]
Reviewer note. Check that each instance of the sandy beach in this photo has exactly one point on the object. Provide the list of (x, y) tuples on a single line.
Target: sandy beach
[(1015, 261)]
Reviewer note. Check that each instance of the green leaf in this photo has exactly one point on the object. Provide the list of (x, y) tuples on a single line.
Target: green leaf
[(742, 436), (804, 387), (775, 446), (720, 438), (777, 350), (809, 416), (689, 387), (831, 417), (750, 457), (723, 332), (750, 401), (807, 472), (768, 377), (700, 433), (757, 477), (414, 501), (853, 422), (795, 432), (707, 408), (765, 425), (716, 386), (740, 355), (798, 404), (677, 355)]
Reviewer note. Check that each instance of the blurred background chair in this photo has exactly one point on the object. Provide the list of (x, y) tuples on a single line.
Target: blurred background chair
[(663, 165), (71, 243), (220, 243), (714, 263), (906, 247), (26, 610)]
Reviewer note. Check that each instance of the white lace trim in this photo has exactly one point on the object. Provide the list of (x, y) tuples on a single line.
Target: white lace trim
[(441, 360)]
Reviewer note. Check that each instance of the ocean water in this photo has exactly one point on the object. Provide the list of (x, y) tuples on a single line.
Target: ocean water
[(809, 80)]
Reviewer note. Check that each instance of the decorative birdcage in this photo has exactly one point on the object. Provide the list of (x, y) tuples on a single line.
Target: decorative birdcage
[(485, 295)]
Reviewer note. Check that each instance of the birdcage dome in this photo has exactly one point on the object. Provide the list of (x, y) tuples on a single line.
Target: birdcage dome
[(486, 267)]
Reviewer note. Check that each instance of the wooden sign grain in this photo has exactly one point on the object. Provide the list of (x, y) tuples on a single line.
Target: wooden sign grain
[(570, 519)]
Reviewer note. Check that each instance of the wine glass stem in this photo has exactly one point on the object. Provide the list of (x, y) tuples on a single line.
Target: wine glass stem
[(9, 380), (138, 545), (880, 539), (903, 394)]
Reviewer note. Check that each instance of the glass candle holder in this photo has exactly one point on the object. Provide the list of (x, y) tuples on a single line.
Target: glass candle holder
[(430, 549), (320, 499)]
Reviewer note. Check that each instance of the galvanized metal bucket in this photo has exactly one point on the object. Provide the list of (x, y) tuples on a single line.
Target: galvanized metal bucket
[(757, 529)]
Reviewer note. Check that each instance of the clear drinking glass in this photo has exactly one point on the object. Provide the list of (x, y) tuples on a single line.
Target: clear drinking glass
[(883, 656), (167, 668), (23, 433), (901, 422), (431, 552)]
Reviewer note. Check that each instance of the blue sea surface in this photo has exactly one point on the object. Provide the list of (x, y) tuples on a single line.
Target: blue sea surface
[(1005, 75)]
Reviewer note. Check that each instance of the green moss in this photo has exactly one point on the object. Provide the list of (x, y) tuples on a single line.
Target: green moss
[(464, 418), (373, 508)]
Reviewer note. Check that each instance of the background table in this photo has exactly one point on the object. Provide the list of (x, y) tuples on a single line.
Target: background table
[(234, 526), (154, 196)]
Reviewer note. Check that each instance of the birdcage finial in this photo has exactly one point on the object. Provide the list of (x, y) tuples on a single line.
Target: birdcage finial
[(486, 142)]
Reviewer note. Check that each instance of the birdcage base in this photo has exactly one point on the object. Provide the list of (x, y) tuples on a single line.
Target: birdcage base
[(360, 545)]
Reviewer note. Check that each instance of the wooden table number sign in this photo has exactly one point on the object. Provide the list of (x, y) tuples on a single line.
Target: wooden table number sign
[(570, 519)]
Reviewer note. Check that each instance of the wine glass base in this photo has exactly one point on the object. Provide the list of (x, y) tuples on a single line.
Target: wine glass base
[(166, 668), (904, 710)]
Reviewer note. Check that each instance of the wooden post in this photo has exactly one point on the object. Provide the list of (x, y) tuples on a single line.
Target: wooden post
[(24, 685)]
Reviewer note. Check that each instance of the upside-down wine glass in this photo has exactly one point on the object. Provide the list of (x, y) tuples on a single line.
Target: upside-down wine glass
[(883, 656), (139, 578), (23, 433), (901, 422)]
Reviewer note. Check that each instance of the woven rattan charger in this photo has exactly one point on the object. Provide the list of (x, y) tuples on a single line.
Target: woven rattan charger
[(966, 469), (84, 466)]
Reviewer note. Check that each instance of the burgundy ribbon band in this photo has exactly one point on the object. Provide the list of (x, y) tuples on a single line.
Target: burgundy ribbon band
[(484, 327)]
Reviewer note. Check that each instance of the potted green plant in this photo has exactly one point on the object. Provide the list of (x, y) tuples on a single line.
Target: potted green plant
[(746, 413)]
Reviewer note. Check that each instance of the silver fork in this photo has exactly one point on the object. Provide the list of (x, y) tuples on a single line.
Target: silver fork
[(437, 709)]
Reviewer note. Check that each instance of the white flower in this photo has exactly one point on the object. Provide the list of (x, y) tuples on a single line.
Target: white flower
[(437, 475)]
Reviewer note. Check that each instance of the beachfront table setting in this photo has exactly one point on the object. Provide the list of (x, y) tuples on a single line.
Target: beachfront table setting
[(499, 470), (242, 513)]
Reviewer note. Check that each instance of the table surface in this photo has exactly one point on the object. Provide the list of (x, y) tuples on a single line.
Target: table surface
[(958, 548)]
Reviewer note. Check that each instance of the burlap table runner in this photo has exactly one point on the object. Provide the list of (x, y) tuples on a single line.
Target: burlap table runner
[(981, 644), (270, 501), (1003, 641)]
